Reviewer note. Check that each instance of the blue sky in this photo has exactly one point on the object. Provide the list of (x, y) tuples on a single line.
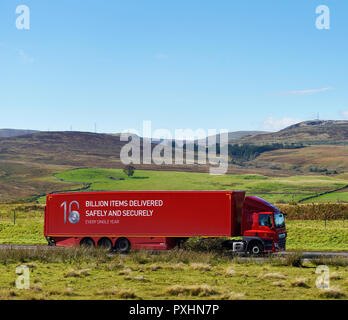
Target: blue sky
[(239, 65)]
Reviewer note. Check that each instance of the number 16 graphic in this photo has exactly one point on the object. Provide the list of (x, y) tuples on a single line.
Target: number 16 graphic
[(74, 216)]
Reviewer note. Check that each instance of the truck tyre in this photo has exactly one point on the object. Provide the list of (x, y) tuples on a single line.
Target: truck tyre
[(122, 245), (105, 243), (255, 248), (87, 243)]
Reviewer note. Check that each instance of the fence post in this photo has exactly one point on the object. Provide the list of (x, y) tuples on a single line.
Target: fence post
[(344, 218), (325, 219), (14, 217)]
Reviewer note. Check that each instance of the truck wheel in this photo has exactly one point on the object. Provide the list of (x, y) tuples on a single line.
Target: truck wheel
[(122, 245), (255, 248), (87, 243), (105, 243)]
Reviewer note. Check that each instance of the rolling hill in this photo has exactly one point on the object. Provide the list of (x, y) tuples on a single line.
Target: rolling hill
[(307, 132), (6, 133), (76, 149), (232, 137), (28, 162), (62, 148), (237, 135)]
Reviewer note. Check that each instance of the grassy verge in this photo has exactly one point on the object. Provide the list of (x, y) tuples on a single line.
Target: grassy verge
[(27, 228), (312, 235), (179, 274)]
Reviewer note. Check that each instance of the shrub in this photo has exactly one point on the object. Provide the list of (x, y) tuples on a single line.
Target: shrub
[(200, 266), (275, 275), (118, 293), (125, 272), (278, 284), (294, 259), (299, 282), (154, 267), (230, 272), (332, 211), (197, 290), (77, 273), (232, 296), (332, 293), (204, 244), (335, 276), (129, 170)]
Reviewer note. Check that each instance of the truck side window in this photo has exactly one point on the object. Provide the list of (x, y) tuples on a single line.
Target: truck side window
[(265, 220)]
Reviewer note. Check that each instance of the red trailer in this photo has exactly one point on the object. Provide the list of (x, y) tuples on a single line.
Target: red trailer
[(159, 220)]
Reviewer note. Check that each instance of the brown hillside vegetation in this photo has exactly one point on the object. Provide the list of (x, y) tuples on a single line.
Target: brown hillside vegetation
[(19, 180), (311, 132), (315, 157), (63, 148), (28, 162), (5, 133), (73, 149)]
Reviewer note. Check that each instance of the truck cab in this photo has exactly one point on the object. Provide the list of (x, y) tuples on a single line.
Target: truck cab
[(263, 227)]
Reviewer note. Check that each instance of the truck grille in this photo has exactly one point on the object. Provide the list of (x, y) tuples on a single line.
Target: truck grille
[(268, 244), (282, 243)]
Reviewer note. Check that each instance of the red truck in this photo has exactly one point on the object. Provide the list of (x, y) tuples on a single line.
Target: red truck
[(159, 220)]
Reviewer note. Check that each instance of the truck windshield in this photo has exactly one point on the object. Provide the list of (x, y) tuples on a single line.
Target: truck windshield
[(279, 220)]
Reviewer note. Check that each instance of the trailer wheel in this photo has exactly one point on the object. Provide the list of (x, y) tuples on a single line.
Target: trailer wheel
[(122, 245), (87, 243), (255, 248), (105, 243)]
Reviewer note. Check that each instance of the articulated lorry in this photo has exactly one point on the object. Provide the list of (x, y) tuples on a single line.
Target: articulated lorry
[(160, 220)]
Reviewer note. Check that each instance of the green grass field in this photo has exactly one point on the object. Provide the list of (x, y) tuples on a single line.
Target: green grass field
[(180, 274), (273, 189), (313, 235), (330, 198)]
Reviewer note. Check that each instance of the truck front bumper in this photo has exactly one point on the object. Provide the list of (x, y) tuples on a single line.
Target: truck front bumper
[(281, 246)]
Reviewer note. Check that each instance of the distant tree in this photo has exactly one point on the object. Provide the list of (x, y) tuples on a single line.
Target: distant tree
[(129, 170)]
